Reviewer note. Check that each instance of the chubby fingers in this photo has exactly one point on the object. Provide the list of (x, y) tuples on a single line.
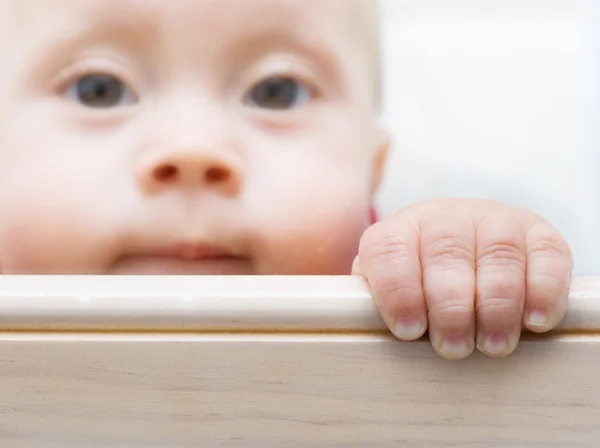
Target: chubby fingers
[(501, 269), (473, 274), (421, 271), (523, 279), (448, 264), (389, 258), (549, 270)]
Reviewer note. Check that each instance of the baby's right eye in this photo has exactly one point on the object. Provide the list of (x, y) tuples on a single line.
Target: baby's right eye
[(101, 91)]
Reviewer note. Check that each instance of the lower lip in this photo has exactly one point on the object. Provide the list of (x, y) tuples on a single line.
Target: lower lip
[(178, 266)]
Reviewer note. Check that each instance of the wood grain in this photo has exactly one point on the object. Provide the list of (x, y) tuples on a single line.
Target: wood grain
[(347, 387)]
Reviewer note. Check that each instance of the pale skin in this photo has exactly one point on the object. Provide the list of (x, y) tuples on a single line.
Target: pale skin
[(183, 137)]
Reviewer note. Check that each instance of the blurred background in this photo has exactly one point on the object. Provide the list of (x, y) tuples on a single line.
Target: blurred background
[(497, 99)]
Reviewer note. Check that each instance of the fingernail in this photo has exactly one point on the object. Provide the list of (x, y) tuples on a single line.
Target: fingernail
[(495, 344), (409, 329), (455, 347), (538, 318)]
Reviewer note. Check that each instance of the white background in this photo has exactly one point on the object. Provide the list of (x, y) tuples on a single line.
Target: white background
[(497, 99)]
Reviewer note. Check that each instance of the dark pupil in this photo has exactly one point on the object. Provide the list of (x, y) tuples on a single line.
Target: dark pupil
[(276, 93), (100, 90)]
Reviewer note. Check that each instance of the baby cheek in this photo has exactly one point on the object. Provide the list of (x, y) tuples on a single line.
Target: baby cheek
[(51, 231), (318, 235)]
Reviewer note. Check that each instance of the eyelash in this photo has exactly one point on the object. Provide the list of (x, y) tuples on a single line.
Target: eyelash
[(293, 72), (82, 69), (87, 68)]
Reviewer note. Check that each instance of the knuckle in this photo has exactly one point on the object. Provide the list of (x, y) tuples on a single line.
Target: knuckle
[(445, 292), (391, 287), (389, 251), (451, 311), (549, 264), (543, 241), (379, 241), (448, 250), (504, 256), (392, 244), (500, 306), (547, 247)]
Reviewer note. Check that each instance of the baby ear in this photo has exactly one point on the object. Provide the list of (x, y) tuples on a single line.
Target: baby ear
[(380, 157)]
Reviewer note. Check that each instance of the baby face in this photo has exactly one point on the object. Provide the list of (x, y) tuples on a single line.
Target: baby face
[(184, 137)]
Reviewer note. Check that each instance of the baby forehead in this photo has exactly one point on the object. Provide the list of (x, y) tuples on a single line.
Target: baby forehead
[(147, 11), (339, 30)]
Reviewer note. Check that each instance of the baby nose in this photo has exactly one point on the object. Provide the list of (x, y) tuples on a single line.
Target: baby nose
[(191, 169)]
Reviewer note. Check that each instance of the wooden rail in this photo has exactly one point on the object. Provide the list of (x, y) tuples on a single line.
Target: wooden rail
[(273, 362)]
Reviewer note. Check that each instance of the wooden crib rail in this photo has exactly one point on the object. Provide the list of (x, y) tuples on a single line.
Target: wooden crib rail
[(273, 362), (278, 304)]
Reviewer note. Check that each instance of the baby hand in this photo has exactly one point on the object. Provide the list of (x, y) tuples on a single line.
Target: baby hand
[(472, 272)]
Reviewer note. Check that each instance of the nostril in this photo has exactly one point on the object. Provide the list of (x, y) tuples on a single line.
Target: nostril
[(172, 173), (217, 175), (166, 173)]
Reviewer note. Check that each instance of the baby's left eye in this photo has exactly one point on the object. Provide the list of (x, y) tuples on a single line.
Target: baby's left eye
[(100, 91), (278, 93)]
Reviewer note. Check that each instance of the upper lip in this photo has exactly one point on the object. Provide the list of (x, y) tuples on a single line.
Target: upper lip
[(193, 252)]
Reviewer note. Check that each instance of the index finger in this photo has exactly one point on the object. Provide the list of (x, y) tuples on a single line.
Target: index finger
[(389, 259)]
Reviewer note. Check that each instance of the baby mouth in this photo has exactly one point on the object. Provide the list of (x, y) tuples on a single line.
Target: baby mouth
[(193, 252), (185, 259)]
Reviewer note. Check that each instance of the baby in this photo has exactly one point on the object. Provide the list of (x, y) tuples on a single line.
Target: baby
[(242, 137)]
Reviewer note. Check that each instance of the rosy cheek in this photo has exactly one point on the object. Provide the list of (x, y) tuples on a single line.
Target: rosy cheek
[(13, 252), (50, 231), (316, 242), (28, 240)]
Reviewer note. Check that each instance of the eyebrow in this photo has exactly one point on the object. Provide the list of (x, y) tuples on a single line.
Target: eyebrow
[(255, 42), (136, 26), (69, 35), (92, 19), (287, 38)]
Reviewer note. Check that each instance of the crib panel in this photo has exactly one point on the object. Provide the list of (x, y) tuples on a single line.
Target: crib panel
[(283, 378)]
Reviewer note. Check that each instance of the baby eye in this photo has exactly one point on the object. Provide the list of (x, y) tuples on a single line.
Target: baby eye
[(278, 93), (100, 91)]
